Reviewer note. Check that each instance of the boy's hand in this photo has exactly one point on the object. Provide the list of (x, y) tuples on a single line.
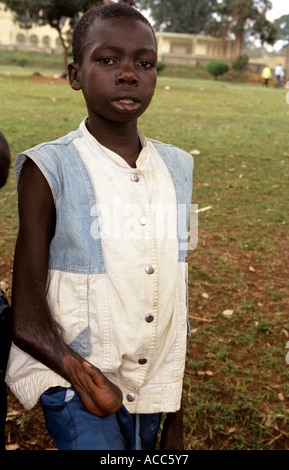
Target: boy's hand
[(98, 394)]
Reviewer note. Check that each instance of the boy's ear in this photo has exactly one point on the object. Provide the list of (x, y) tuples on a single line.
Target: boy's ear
[(73, 76)]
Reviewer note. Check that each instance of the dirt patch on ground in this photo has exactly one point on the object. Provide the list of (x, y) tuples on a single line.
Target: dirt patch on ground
[(25, 430), (41, 79), (255, 78)]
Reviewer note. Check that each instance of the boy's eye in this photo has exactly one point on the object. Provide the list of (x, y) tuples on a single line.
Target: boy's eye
[(106, 61), (146, 64)]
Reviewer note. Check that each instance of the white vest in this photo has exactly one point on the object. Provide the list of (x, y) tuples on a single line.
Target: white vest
[(117, 268)]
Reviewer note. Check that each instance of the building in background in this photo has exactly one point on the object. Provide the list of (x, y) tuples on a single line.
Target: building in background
[(174, 48), (193, 49), (38, 38)]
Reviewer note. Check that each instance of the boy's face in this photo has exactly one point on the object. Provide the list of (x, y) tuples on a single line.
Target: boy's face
[(117, 74)]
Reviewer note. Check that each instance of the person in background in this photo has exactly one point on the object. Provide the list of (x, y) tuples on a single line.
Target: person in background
[(266, 75), (279, 74)]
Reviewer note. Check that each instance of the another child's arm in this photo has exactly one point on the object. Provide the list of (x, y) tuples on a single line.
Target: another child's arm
[(4, 160), (34, 329), (172, 433)]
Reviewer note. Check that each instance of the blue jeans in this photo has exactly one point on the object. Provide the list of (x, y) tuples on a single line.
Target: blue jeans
[(72, 427)]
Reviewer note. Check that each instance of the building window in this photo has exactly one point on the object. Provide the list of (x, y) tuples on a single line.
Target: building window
[(46, 41), (181, 46), (20, 38), (34, 40)]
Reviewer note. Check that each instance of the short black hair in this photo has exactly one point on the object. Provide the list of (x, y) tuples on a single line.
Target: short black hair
[(112, 10)]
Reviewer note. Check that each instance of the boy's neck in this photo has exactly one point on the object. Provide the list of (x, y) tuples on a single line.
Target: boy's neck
[(124, 140)]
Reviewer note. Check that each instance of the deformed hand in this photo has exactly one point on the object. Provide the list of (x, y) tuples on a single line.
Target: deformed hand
[(98, 394)]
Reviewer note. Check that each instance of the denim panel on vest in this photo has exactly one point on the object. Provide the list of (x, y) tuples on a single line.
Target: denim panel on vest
[(72, 248)]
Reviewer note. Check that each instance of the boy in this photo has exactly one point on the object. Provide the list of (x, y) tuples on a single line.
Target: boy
[(99, 296)]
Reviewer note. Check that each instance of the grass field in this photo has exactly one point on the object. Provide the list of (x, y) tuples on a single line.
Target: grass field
[(236, 383)]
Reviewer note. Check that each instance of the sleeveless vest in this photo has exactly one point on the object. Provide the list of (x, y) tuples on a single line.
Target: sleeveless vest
[(73, 249)]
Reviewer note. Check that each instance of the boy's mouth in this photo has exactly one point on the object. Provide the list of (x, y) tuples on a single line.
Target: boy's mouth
[(126, 105), (126, 100)]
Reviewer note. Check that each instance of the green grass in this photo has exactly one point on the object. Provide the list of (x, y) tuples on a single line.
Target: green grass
[(21, 63), (236, 383)]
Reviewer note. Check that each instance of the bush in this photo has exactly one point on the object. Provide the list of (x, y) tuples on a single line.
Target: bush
[(240, 63), (160, 66), (22, 62), (216, 68)]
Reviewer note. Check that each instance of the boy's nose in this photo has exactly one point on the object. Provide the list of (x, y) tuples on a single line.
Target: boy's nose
[(126, 77)]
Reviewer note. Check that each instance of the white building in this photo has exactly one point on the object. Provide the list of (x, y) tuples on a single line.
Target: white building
[(38, 38), (193, 49)]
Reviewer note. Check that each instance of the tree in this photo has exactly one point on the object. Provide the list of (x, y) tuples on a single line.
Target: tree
[(282, 25), (238, 17), (179, 16), (59, 14)]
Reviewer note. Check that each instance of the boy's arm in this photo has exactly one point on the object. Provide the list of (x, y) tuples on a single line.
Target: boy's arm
[(172, 433), (34, 329), (4, 160)]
